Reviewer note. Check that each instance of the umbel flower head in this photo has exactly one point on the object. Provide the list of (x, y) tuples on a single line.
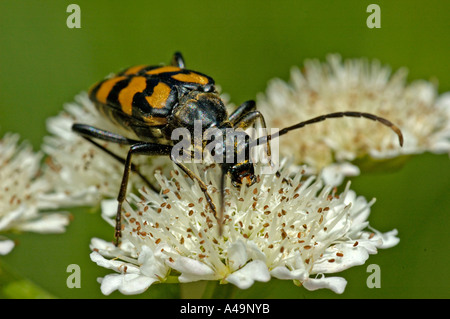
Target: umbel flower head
[(22, 190), (355, 85), (293, 228)]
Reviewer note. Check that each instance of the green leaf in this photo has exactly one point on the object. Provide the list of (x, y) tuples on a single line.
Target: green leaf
[(13, 286)]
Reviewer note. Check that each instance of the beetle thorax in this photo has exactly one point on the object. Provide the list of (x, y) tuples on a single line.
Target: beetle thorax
[(206, 108)]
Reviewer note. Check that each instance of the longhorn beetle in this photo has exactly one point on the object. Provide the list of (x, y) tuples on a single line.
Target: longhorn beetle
[(153, 101)]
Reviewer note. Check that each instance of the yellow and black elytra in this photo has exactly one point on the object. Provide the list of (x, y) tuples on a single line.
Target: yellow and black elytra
[(144, 96), (153, 101)]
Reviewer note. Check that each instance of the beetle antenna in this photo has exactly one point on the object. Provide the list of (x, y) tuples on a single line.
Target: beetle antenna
[(321, 118)]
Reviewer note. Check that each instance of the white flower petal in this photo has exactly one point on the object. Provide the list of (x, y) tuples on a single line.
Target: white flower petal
[(135, 284), (192, 270), (12, 217), (245, 277), (370, 245), (334, 174), (151, 265), (336, 284), (297, 270), (350, 257), (117, 265), (389, 239), (237, 255), (97, 243), (254, 252), (109, 207), (47, 223), (282, 272), (127, 284), (6, 246)]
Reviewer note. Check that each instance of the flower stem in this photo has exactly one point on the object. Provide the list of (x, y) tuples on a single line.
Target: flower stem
[(216, 290), (171, 280)]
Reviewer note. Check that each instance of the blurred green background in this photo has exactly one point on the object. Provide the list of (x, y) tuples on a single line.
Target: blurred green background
[(242, 44)]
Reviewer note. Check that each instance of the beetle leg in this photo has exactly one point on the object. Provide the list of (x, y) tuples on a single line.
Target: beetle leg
[(242, 110), (89, 132), (93, 132), (149, 149), (202, 185)]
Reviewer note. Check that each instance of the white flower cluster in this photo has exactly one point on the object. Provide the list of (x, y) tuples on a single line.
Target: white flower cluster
[(283, 227), (22, 193), (355, 85)]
